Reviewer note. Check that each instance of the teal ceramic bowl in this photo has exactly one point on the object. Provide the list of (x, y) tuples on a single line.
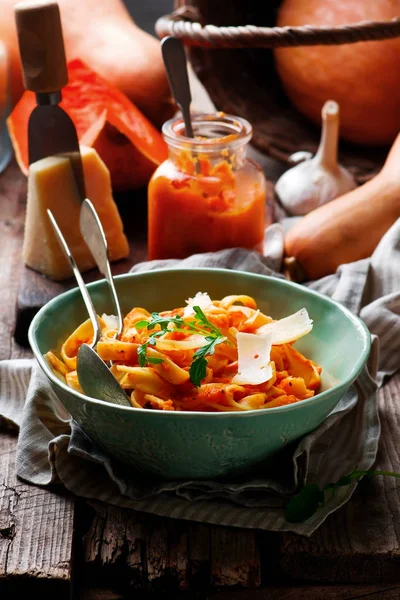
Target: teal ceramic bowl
[(175, 445)]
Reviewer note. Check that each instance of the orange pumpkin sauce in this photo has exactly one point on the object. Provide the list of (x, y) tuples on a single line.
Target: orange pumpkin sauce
[(218, 208)]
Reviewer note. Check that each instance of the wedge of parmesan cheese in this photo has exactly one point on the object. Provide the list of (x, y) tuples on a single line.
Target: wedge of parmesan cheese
[(201, 299), (289, 329), (51, 184), (254, 355)]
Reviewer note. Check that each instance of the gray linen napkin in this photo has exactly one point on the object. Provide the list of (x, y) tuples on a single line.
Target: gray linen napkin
[(53, 449)]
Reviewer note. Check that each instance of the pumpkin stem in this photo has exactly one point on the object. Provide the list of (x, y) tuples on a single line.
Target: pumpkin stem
[(327, 154)]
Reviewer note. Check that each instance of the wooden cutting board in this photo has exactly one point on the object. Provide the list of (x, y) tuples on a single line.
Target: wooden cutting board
[(35, 290)]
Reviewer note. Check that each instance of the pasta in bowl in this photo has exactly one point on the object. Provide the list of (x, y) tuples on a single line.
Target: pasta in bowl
[(210, 355), (217, 384)]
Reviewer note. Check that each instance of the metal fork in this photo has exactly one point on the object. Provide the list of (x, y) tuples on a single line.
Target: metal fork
[(95, 378), (81, 284), (93, 233)]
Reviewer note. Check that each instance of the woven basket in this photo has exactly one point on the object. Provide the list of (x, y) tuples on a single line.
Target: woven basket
[(243, 80)]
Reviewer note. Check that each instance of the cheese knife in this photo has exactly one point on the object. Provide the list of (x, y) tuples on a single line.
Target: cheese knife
[(51, 131)]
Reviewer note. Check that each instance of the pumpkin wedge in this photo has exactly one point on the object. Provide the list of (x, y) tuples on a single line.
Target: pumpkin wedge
[(130, 146)]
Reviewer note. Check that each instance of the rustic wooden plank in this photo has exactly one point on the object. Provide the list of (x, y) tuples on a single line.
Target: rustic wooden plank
[(156, 551), (99, 594), (12, 208), (92, 540), (199, 555), (147, 552), (361, 542), (178, 566), (168, 554), (373, 592), (114, 539), (36, 525), (113, 536), (134, 548), (235, 559), (349, 592)]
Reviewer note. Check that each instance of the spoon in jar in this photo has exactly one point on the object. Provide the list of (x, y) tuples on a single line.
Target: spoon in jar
[(174, 58), (95, 378)]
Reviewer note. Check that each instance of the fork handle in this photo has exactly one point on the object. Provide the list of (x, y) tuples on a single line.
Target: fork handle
[(79, 280)]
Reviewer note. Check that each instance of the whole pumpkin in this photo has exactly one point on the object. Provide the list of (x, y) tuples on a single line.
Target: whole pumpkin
[(364, 78)]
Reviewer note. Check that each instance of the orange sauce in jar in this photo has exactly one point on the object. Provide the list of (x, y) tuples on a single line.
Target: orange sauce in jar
[(207, 196)]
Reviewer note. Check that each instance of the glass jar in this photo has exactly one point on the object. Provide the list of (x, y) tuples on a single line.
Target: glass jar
[(207, 195)]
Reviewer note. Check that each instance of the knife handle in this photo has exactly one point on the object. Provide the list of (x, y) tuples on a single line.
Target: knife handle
[(41, 45)]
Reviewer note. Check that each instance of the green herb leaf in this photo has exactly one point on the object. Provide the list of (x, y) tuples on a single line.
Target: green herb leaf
[(197, 370), (343, 481), (154, 360), (304, 504), (163, 322), (202, 319), (142, 355), (143, 359), (201, 324), (141, 324)]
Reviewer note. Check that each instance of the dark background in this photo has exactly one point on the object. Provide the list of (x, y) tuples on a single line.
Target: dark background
[(146, 12)]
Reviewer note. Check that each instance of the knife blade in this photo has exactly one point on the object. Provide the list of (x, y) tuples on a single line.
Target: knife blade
[(51, 132)]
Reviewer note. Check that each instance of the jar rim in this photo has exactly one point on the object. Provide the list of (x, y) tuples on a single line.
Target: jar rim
[(238, 131)]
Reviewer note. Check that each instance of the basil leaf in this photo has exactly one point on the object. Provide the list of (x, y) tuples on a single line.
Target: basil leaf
[(304, 504)]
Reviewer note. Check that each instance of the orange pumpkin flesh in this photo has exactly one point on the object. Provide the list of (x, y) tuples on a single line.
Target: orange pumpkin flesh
[(363, 77), (105, 119), (104, 36)]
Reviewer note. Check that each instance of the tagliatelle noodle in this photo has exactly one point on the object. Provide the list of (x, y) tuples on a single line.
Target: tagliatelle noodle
[(164, 383)]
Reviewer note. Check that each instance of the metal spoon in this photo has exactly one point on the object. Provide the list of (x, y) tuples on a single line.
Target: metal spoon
[(174, 57), (94, 376), (175, 64), (96, 379)]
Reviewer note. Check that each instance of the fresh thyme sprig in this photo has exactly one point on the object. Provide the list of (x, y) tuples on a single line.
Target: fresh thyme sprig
[(305, 504), (200, 324)]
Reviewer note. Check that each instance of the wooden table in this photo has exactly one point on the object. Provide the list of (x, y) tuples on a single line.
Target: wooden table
[(60, 545)]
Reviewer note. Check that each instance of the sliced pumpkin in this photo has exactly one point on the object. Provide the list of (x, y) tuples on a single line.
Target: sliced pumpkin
[(106, 120)]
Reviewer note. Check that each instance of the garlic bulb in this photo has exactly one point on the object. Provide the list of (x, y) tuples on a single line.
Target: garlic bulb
[(298, 157), (320, 179)]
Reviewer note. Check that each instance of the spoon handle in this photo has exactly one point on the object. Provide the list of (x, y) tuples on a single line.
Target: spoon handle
[(175, 64), (93, 233), (81, 284)]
